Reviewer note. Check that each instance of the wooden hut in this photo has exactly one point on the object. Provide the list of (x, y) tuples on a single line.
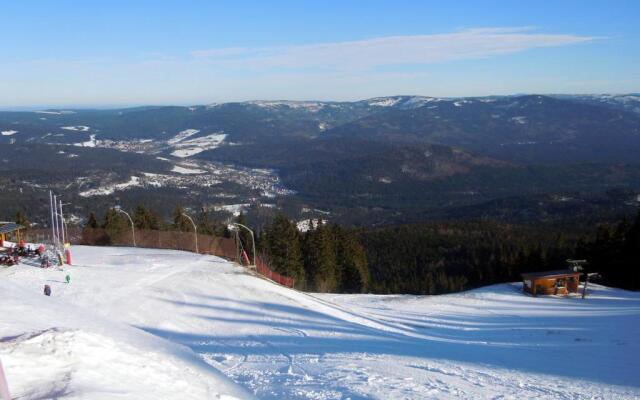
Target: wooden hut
[(559, 282), (9, 230)]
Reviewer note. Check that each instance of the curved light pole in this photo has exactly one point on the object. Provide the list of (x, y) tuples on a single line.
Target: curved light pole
[(195, 229), (133, 230), (253, 240)]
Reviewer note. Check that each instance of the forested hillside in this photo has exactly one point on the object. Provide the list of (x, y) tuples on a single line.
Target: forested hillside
[(428, 258), (381, 161)]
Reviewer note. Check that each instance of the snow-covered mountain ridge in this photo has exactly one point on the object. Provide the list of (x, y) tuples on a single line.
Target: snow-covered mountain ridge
[(147, 323)]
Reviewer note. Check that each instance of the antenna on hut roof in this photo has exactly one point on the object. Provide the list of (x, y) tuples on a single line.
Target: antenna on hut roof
[(576, 265)]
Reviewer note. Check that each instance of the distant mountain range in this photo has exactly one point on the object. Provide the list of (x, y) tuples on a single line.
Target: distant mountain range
[(398, 158)]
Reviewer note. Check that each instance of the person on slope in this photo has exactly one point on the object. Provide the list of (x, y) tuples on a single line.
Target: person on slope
[(45, 263)]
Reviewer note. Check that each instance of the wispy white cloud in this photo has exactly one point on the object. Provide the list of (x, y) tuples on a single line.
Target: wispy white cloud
[(337, 71), (222, 52), (392, 50)]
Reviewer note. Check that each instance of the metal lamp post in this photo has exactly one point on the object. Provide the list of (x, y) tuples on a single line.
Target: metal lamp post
[(195, 229), (54, 217), (232, 226), (133, 230), (65, 227), (53, 226)]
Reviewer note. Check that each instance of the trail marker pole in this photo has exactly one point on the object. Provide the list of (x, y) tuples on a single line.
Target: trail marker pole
[(584, 288), (578, 266), (593, 275)]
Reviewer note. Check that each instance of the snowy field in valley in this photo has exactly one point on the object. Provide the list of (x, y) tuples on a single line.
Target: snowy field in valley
[(160, 324)]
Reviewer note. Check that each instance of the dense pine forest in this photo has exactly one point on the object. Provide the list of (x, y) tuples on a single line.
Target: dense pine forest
[(428, 258), (446, 257)]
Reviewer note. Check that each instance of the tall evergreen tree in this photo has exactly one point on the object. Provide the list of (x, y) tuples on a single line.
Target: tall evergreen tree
[(281, 242), (21, 219), (180, 222), (351, 260), (92, 221), (320, 260), (205, 225), (143, 218), (631, 254), (115, 223), (615, 254)]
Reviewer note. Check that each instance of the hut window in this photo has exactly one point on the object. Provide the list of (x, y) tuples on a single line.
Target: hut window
[(560, 283)]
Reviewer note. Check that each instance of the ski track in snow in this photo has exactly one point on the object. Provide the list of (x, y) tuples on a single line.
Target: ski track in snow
[(148, 323)]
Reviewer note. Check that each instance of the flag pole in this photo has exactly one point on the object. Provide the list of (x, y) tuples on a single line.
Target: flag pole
[(53, 229)]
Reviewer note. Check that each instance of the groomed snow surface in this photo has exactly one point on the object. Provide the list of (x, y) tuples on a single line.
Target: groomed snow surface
[(187, 148), (161, 324)]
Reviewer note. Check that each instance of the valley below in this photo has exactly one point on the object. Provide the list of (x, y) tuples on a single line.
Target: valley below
[(398, 159)]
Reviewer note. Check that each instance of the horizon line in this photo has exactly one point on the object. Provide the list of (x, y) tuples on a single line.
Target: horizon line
[(115, 106)]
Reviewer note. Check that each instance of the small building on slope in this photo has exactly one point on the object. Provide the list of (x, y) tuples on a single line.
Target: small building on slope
[(558, 282), (9, 231)]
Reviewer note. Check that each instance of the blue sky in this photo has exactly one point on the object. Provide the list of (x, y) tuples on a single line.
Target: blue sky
[(99, 53)]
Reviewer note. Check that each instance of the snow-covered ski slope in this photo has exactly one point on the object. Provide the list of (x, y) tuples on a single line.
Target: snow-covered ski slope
[(160, 324)]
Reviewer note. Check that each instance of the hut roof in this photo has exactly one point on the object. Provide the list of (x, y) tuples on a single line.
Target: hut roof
[(559, 273), (10, 227)]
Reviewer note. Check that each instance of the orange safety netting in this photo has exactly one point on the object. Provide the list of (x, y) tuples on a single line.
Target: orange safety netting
[(263, 269)]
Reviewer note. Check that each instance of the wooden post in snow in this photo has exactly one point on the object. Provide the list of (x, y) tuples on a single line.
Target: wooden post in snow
[(593, 275)]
